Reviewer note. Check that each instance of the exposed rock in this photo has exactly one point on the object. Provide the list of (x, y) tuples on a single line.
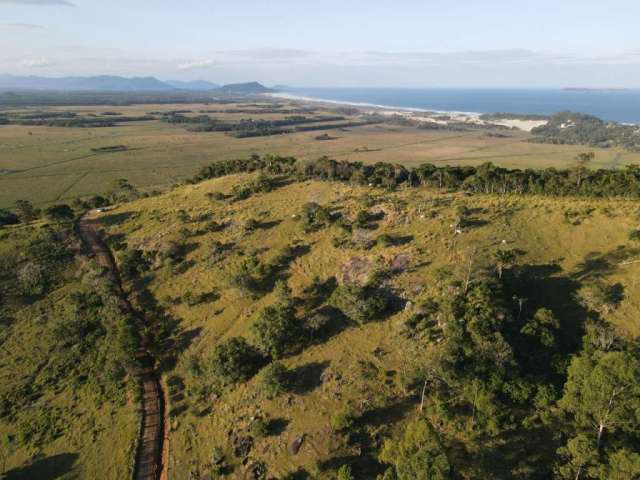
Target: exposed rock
[(296, 445)]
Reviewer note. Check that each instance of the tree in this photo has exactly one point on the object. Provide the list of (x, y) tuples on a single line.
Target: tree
[(235, 361), (277, 330), (580, 171), (32, 278), (417, 454), (26, 211), (59, 213), (360, 304), (577, 456), (504, 259), (602, 392), (275, 379), (543, 327), (622, 464)]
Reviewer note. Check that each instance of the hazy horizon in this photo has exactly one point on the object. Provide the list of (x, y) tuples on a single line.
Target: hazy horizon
[(410, 44)]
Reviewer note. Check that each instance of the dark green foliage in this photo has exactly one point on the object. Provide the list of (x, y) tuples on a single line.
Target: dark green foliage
[(579, 129), (277, 331), (485, 178), (275, 379), (342, 420), (314, 217), (132, 264), (259, 428), (251, 275), (345, 473), (59, 213), (8, 218), (235, 361), (360, 303), (26, 211), (416, 454)]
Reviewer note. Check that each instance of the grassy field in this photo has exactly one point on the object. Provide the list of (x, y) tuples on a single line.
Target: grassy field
[(60, 425), (567, 242), (52, 164)]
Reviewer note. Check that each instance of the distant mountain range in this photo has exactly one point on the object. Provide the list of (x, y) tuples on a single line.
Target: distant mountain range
[(109, 83)]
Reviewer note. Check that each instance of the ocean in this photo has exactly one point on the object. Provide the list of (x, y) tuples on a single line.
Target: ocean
[(613, 105)]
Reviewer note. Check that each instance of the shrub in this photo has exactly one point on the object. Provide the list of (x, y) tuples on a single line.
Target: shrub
[(342, 421), (259, 428), (216, 196), (251, 224), (345, 473), (360, 304), (385, 240), (32, 278), (275, 379), (218, 462), (235, 361), (250, 275), (634, 235), (240, 192), (314, 217)]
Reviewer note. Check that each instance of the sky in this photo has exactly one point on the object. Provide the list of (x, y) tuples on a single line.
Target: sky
[(330, 43)]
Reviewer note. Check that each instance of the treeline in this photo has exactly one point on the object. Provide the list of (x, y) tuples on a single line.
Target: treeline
[(69, 119), (579, 129), (486, 178), (259, 128)]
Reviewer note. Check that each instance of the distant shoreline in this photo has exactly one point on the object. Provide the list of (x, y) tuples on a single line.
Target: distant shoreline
[(291, 96), (421, 114)]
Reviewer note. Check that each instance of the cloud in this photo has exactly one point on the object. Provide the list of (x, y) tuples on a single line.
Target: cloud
[(35, 63), (22, 26), (192, 65), (269, 53), (60, 3)]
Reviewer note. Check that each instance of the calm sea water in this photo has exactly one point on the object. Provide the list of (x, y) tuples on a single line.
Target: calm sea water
[(620, 106)]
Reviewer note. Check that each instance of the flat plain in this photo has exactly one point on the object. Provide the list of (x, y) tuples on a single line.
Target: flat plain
[(46, 165)]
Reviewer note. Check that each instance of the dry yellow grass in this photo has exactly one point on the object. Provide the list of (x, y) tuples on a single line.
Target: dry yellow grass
[(541, 228)]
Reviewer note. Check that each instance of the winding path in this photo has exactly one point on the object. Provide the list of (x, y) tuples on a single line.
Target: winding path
[(150, 454)]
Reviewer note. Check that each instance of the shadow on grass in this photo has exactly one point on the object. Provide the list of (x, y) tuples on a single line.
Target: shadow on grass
[(48, 468), (114, 219), (308, 377)]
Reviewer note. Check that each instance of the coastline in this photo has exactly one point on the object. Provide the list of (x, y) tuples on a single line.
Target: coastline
[(417, 114)]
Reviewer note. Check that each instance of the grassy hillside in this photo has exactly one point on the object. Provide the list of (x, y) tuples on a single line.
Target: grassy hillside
[(355, 272), (52, 164), (67, 406)]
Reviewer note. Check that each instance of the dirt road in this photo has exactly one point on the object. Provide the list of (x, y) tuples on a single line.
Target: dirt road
[(149, 464)]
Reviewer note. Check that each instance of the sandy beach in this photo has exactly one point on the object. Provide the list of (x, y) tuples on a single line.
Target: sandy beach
[(418, 114)]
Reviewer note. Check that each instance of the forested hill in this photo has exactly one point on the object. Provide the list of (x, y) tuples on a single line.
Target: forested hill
[(579, 129)]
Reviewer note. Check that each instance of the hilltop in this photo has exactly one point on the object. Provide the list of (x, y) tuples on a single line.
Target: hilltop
[(342, 292)]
